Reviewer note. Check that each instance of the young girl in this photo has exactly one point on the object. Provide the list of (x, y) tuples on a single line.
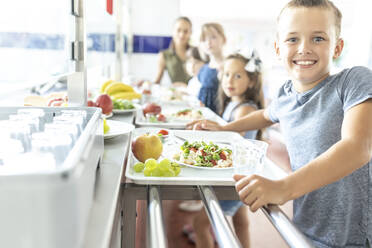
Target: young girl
[(173, 59), (212, 40), (239, 94)]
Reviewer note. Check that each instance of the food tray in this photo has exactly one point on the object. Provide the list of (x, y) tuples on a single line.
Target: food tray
[(180, 124), (195, 176)]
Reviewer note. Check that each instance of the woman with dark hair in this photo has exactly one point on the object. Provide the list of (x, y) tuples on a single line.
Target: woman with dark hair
[(173, 59)]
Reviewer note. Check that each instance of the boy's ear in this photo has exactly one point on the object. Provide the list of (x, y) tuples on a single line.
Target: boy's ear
[(338, 49), (277, 51)]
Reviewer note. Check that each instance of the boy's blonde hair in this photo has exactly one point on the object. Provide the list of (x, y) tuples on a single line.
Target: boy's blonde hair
[(324, 4)]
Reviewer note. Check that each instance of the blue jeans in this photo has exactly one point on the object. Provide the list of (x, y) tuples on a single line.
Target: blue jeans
[(230, 207)]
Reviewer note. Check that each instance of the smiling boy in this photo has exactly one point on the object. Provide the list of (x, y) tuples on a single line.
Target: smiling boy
[(327, 124)]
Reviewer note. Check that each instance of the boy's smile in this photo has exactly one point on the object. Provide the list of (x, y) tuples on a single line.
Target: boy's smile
[(306, 44)]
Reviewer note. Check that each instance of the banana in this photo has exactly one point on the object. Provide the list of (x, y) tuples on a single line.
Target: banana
[(104, 85), (117, 87), (126, 95)]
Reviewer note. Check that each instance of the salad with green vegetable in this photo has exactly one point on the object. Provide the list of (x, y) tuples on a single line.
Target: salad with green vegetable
[(202, 154), (122, 104)]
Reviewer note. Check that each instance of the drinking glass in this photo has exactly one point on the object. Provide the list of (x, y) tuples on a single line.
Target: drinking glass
[(248, 156)]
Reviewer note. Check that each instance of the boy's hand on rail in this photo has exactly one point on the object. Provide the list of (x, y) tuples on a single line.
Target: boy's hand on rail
[(256, 191), (204, 125)]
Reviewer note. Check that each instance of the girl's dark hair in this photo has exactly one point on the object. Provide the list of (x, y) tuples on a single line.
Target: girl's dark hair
[(193, 52), (252, 94), (181, 18)]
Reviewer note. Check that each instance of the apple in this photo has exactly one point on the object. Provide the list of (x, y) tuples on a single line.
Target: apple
[(147, 146), (90, 103), (151, 108), (105, 103)]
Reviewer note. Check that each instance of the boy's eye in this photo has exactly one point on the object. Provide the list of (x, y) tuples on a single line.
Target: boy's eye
[(291, 40), (238, 76), (318, 39)]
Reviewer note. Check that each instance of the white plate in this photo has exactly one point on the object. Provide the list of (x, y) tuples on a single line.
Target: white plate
[(123, 111), (117, 128), (203, 168), (107, 116)]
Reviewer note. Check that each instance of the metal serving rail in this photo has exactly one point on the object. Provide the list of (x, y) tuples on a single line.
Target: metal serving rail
[(225, 236), (285, 227), (156, 232)]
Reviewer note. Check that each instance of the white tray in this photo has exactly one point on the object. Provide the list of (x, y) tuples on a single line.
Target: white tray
[(195, 176), (181, 124)]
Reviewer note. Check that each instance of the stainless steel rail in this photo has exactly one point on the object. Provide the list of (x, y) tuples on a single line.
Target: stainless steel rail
[(291, 235), (155, 227), (224, 234)]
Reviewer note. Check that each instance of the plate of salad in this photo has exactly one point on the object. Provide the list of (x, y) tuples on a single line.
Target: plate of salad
[(124, 106), (204, 155)]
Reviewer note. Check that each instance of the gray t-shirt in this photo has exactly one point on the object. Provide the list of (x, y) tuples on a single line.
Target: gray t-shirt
[(228, 115), (339, 214)]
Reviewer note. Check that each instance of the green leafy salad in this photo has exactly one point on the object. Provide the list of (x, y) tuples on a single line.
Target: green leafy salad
[(202, 154), (122, 104)]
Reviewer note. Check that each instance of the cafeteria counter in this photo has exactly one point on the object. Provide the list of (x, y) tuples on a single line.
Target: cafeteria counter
[(104, 226)]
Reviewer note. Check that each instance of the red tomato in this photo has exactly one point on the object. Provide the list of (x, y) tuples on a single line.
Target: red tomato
[(163, 132), (214, 162), (193, 149), (161, 117), (223, 156)]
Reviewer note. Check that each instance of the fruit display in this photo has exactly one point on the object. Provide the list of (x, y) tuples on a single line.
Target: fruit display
[(153, 168), (105, 103), (119, 90), (126, 95), (147, 146)]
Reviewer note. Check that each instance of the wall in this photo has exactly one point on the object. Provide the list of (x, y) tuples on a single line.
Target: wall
[(150, 18)]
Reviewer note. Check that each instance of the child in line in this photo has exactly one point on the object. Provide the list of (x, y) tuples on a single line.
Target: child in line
[(326, 121), (239, 94), (194, 63), (212, 40)]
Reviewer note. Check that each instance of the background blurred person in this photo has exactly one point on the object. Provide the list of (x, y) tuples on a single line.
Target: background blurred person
[(173, 59), (194, 63), (212, 40)]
